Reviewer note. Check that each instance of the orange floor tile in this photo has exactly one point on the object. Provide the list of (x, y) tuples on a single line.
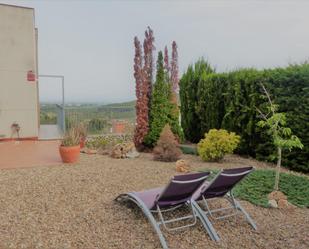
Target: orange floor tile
[(24, 154)]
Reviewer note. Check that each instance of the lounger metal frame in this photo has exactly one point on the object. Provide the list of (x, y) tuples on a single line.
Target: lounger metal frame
[(234, 205), (196, 214)]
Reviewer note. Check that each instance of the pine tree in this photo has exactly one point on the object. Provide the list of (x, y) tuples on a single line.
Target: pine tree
[(142, 100), (159, 104)]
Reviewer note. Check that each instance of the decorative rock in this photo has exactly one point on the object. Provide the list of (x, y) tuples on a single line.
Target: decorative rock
[(273, 203), (117, 151), (277, 195), (182, 166), (105, 152), (283, 204), (90, 151), (133, 153), (124, 150)]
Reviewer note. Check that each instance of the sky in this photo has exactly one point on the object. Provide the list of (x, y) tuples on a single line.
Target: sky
[(90, 42)]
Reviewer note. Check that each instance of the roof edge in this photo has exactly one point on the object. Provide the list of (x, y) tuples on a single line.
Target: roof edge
[(16, 6)]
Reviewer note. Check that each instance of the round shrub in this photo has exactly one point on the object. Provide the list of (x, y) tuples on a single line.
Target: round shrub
[(216, 144)]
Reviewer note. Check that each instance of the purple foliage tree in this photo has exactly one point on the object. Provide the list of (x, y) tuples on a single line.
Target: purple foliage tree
[(166, 62), (174, 68), (148, 60), (142, 99)]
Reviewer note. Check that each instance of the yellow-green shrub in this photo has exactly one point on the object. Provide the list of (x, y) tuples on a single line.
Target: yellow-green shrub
[(216, 144)]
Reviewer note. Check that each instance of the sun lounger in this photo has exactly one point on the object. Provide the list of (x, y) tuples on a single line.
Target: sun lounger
[(221, 187), (177, 193)]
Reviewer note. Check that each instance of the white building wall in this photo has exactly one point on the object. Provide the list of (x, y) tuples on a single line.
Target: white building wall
[(18, 97)]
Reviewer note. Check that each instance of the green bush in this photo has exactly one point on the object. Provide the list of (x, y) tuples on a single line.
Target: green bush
[(229, 101), (216, 144)]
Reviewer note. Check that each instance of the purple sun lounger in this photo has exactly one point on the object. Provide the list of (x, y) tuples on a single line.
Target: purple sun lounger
[(221, 187), (177, 193)]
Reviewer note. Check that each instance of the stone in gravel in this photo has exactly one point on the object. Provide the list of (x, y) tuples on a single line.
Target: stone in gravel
[(117, 151), (124, 150), (182, 166), (104, 152), (283, 204), (90, 151), (273, 203), (132, 154), (277, 195)]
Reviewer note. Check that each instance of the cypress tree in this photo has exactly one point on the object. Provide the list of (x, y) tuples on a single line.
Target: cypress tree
[(189, 97), (160, 105)]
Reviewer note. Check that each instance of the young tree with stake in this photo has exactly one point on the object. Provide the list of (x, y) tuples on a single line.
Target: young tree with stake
[(282, 137)]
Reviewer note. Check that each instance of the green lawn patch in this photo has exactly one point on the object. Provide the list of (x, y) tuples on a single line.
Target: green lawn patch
[(256, 186), (188, 149)]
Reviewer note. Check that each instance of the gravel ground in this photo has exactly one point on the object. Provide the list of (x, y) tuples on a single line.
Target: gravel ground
[(71, 206)]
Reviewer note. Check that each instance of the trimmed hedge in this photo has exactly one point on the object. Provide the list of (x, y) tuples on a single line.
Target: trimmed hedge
[(229, 101)]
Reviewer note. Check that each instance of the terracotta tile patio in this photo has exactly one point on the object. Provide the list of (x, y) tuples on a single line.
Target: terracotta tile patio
[(25, 154)]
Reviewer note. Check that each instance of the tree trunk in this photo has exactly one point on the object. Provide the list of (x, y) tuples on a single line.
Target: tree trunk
[(278, 170)]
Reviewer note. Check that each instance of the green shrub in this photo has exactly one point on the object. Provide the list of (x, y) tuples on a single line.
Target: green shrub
[(216, 144)]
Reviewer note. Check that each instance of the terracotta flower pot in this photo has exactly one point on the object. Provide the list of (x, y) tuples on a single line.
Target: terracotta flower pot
[(69, 154)]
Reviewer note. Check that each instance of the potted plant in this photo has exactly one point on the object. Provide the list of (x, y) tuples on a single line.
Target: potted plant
[(82, 131), (70, 146)]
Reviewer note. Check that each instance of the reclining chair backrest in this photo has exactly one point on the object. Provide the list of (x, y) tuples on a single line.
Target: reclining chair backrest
[(224, 182), (180, 189)]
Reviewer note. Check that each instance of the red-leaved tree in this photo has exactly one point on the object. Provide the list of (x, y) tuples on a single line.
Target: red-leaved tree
[(174, 68), (148, 61), (142, 99)]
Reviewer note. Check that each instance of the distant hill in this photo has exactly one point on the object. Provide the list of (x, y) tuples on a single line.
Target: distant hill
[(130, 104)]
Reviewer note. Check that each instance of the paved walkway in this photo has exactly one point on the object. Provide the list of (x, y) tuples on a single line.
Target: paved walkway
[(24, 154)]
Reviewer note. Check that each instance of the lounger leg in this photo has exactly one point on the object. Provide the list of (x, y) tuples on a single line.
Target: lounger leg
[(237, 205), (249, 219), (152, 220), (156, 227), (205, 221)]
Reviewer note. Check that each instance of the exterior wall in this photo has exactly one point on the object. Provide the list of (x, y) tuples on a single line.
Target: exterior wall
[(18, 55)]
